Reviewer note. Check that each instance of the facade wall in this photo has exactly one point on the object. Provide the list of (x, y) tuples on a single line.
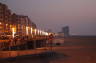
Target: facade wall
[(5, 18), (9, 20)]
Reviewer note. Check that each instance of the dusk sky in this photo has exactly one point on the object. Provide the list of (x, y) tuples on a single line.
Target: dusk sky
[(79, 15)]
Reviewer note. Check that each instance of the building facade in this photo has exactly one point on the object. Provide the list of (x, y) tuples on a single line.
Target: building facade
[(5, 18), (9, 20)]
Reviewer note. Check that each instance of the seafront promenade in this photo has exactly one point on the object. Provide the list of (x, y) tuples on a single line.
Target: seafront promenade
[(77, 52)]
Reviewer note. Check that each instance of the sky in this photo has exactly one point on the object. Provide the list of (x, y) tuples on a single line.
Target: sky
[(79, 15)]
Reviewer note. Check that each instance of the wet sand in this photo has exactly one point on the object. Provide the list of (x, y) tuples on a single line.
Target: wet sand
[(76, 55), (61, 55)]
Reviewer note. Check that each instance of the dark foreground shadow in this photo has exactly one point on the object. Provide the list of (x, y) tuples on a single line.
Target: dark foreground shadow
[(46, 57)]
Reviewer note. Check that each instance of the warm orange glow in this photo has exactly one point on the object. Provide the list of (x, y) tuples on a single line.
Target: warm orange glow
[(0, 23), (13, 32), (6, 24), (31, 30), (27, 31)]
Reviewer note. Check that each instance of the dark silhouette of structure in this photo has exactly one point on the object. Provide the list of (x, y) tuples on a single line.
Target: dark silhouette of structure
[(65, 30)]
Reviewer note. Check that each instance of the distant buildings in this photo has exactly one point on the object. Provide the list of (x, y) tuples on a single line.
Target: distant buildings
[(65, 30)]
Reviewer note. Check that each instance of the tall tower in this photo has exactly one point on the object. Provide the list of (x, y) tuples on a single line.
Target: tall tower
[(65, 30)]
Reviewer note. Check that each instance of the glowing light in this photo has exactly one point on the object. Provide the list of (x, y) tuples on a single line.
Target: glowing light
[(6, 24), (27, 31), (0, 23), (13, 32), (31, 30), (38, 32), (45, 33)]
